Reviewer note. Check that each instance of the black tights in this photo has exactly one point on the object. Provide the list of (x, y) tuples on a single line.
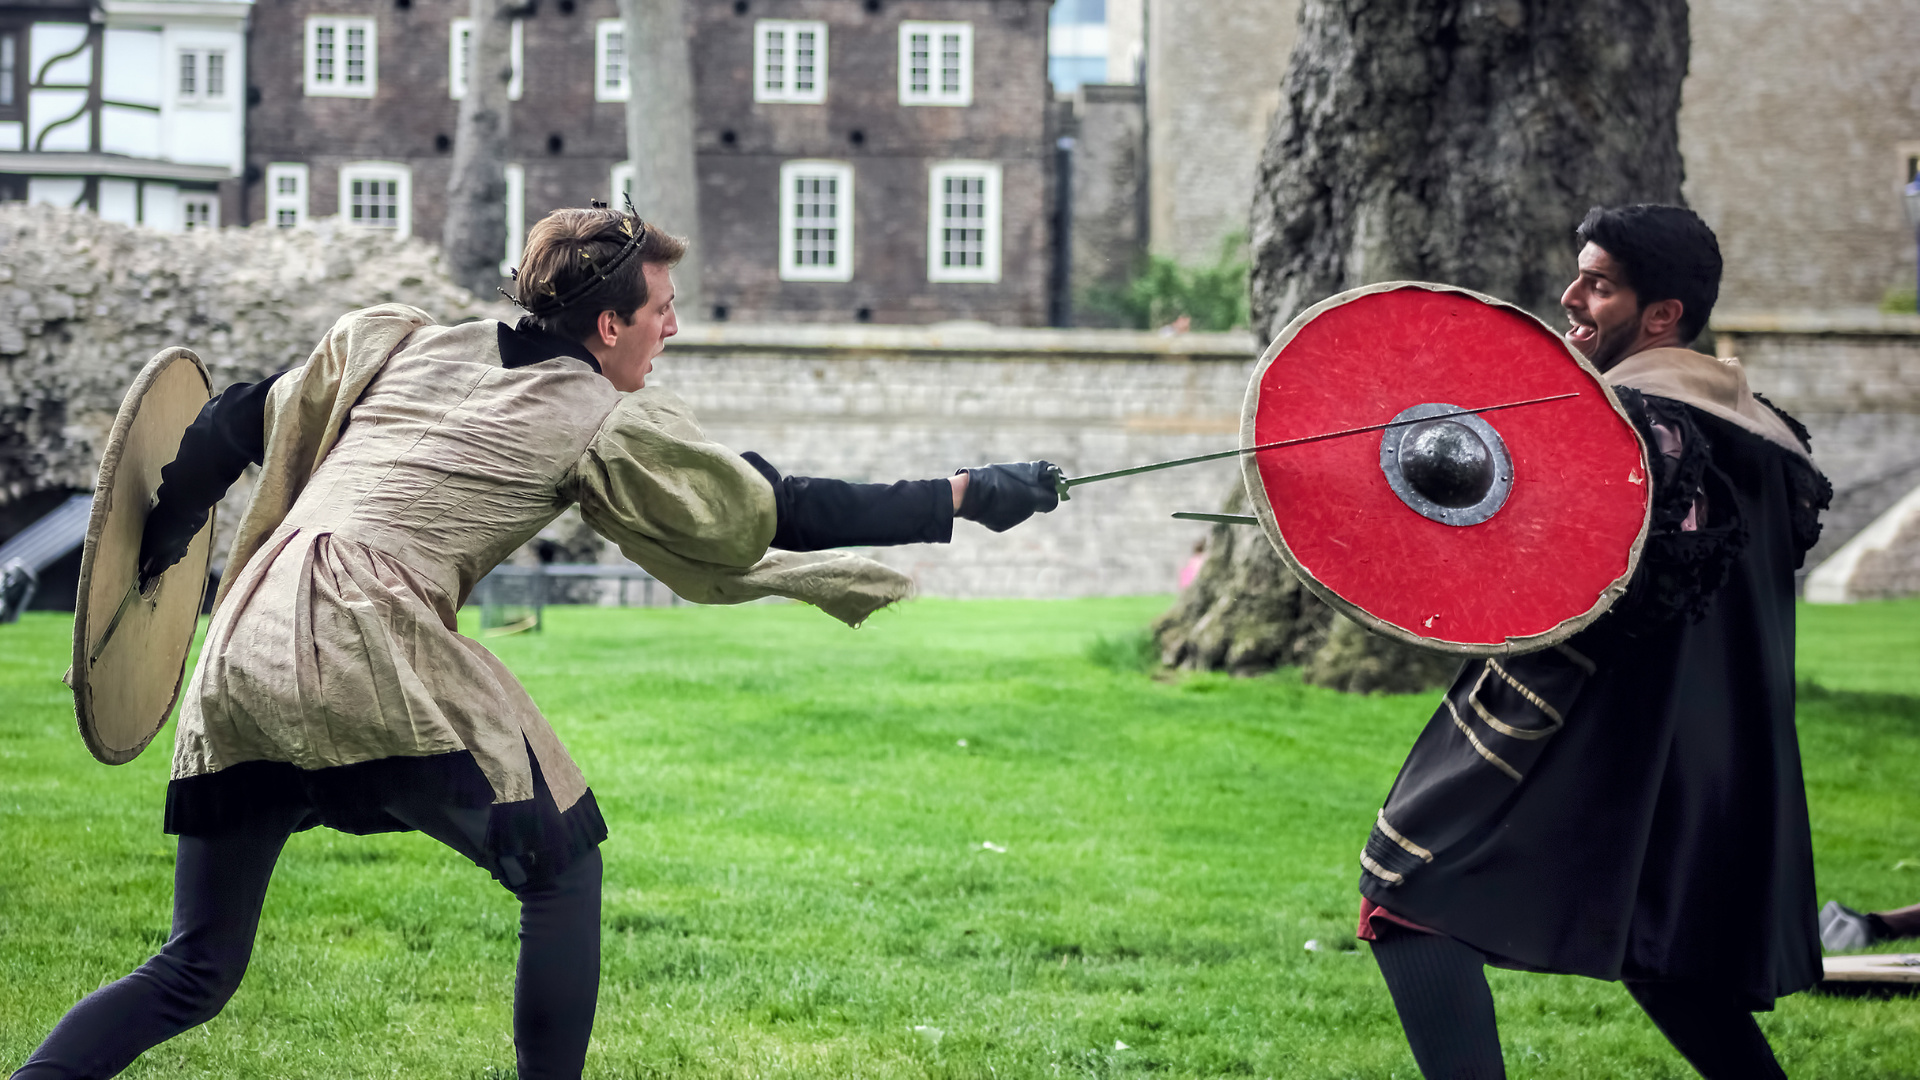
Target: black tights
[(219, 884), (1439, 986)]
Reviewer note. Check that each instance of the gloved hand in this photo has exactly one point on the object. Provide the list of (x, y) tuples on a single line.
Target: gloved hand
[(165, 540), (1002, 496)]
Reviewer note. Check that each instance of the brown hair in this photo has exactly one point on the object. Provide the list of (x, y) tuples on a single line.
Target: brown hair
[(564, 252)]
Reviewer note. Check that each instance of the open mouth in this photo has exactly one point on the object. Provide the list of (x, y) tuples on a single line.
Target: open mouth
[(1580, 333)]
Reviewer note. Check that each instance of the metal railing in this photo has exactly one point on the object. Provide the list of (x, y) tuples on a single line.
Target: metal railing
[(531, 587)]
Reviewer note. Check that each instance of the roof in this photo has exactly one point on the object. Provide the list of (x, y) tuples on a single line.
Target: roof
[(48, 540)]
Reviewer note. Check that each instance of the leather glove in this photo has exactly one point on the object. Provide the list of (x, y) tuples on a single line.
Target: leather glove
[(1002, 496), (164, 541)]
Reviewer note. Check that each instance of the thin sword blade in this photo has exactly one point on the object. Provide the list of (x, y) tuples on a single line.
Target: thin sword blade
[(1062, 482), (1217, 519)]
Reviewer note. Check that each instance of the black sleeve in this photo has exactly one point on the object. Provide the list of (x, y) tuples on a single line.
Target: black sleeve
[(815, 513), (229, 434)]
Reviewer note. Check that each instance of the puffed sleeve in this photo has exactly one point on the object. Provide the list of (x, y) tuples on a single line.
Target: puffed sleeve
[(675, 502)]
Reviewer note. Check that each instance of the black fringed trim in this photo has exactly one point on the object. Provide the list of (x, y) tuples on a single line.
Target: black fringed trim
[(1812, 492), (1680, 571), (1799, 429), (534, 833)]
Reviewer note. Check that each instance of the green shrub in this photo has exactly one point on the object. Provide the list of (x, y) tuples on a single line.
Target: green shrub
[(1212, 296)]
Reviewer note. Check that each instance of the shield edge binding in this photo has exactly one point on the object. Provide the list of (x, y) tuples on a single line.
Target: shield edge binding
[(78, 679), (1269, 523)]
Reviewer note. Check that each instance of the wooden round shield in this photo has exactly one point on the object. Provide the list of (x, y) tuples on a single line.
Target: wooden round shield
[(1493, 532), (129, 647)]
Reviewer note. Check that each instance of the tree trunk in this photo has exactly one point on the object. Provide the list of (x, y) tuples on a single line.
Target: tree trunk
[(475, 235), (1457, 141), (666, 188)]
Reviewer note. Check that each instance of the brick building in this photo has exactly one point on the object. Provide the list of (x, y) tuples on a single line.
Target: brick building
[(859, 160), (133, 109)]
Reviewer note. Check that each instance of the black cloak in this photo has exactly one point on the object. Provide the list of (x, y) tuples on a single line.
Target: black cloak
[(1630, 805)]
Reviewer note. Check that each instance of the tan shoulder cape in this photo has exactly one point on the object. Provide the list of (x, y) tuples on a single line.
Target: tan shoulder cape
[(1712, 385)]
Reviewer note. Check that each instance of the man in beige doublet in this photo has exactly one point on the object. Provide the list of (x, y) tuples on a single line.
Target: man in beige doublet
[(399, 464)]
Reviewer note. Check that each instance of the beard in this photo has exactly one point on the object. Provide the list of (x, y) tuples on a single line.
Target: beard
[(1609, 344)]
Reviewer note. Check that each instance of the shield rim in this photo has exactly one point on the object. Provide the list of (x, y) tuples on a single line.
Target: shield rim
[(79, 678), (1269, 523)]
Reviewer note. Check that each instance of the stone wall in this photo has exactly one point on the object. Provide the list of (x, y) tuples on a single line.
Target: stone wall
[(1213, 83), (1798, 122), (889, 403), (1854, 381), (85, 303), (1108, 196)]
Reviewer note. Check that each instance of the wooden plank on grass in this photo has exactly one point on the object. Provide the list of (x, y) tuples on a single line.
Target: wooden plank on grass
[(1901, 968)]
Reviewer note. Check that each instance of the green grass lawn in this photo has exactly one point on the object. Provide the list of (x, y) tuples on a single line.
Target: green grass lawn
[(951, 844)]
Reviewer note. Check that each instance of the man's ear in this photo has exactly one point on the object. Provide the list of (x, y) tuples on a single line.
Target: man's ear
[(607, 328), (1661, 318)]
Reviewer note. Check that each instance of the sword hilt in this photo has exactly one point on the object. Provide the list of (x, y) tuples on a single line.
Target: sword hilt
[(1060, 482)]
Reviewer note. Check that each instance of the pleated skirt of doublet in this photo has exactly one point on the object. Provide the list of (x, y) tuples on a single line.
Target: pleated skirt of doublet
[(333, 676)]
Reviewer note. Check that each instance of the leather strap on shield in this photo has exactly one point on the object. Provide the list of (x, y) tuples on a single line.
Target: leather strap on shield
[(130, 647), (1501, 532)]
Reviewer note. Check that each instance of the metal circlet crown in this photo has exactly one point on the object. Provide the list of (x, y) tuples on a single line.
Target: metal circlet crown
[(553, 303)]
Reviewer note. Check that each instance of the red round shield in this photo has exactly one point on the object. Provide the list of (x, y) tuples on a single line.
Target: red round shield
[(1516, 556)]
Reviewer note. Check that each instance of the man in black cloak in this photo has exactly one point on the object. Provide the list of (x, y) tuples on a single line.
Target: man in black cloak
[(1628, 805)]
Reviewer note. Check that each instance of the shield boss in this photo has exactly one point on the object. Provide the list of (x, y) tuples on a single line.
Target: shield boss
[(130, 648), (1480, 534)]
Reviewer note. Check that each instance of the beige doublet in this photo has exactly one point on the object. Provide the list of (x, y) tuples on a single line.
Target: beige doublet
[(403, 462)]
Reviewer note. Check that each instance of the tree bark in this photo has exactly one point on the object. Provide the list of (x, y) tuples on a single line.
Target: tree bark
[(475, 235), (1460, 141), (666, 189), (1457, 141)]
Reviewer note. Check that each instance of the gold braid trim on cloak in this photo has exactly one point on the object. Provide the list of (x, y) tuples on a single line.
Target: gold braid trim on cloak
[(308, 407)]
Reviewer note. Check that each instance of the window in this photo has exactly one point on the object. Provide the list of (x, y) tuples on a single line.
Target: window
[(342, 57), (963, 222), (201, 76), (936, 63), (11, 63), (199, 210), (789, 61), (816, 221), (620, 184), (516, 217), (287, 194), (459, 50), (377, 195), (609, 61)]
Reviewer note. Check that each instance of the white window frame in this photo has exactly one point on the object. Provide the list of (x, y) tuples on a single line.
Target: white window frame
[(457, 34), (516, 218), (295, 200), (791, 173), (605, 32), (336, 84), (379, 170), (786, 92), (199, 59), (935, 92), (209, 199), (989, 269), (619, 183)]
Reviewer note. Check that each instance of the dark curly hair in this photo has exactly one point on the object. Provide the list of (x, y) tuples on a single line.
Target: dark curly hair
[(1666, 252)]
